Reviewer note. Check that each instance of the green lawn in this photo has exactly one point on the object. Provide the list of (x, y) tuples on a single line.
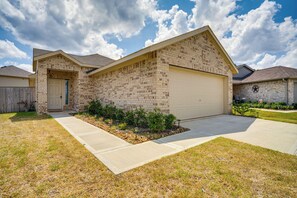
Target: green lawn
[(277, 116), (38, 158)]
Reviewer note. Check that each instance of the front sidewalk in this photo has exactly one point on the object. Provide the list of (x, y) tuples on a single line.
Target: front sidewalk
[(118, 155)]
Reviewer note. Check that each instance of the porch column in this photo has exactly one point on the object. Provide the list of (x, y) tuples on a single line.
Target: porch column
[(41, 90)]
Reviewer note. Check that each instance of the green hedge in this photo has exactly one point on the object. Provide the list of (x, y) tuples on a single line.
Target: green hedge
[(273, 105), (156, 121)]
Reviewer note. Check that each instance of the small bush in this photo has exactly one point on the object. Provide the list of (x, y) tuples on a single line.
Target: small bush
[(291, 107), (119, 115), (109, 111), (129, 118), (140, 118), (241, 109), (122, 126), (108, 121), (267, 106), (169, 121), (94, 108), (156, 121)]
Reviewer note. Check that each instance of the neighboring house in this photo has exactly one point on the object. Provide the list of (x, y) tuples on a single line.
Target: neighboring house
[(189, 75), (12, 76), (274, 84)]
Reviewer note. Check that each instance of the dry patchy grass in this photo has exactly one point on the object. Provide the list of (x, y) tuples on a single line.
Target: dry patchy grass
[(39, 158)]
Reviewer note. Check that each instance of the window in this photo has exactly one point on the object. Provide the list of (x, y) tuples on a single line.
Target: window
[(66, 91)]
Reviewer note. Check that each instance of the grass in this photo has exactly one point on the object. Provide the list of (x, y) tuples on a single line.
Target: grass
[(275, 116), (38, 158), (129, 134)]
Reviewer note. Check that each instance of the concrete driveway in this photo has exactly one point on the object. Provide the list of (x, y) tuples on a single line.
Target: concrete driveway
[(120, 156), (274, 135)]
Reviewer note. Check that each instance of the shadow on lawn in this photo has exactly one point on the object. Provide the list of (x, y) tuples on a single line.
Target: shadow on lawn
[(25, 116)]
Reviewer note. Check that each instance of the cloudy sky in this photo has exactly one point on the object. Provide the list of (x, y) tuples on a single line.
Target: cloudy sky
[(260, 33)]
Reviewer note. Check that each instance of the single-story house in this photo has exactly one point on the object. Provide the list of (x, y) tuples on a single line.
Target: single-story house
[(274, 84), (189, 75), (12, 76)]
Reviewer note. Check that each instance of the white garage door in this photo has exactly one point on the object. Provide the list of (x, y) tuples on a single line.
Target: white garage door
[(195, 94)]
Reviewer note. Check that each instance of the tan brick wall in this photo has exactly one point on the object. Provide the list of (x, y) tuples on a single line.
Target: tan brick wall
[(145, 83), (270, 91), (198, 53), (291, 90), (60, 67), (129, 87)]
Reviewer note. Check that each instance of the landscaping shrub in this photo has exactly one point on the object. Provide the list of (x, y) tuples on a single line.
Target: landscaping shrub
[(129, 117), (94, 108), (169, 121), (140, 118), (241, 109), (108, 121), (156, 121), (120, 115), (109, 111), (267, 106), (122, 126)]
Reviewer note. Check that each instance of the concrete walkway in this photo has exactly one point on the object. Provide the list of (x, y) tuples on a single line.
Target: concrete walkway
[(120, 156)]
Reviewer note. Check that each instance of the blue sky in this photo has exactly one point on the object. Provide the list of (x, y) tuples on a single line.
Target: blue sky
[(260, 33)]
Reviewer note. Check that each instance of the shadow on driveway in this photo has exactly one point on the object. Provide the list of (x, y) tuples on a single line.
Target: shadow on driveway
[(209, 127)]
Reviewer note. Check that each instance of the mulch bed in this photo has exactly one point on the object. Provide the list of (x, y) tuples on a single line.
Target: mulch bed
[(129, 135)]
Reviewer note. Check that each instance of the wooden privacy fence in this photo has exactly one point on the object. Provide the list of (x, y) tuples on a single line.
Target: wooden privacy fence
[(17, 99)]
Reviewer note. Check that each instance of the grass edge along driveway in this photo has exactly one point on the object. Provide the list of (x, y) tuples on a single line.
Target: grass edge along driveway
[(39, 158)]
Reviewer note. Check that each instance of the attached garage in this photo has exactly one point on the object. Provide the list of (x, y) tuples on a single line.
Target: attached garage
[(189, 76), (195, 94)]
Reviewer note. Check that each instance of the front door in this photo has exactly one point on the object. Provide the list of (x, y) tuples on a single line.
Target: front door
[(54, 94)]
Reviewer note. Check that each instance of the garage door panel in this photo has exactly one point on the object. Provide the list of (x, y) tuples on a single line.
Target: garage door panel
[(195, 94)]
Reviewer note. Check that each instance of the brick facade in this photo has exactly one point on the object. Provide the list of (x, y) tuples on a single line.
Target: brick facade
[(199, 53), (270, 91), (129, 87), (80, 88), (146, 82)]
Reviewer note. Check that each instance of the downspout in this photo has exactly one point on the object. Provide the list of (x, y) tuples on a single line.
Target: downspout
[(287, 91)]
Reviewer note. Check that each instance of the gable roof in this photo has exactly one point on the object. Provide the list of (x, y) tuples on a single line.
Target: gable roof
[(167, 42), (14, 71), (93, 60), (245, 66), (243, 72), (272, 73)]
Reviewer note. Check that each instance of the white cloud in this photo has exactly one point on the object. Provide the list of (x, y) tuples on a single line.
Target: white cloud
[(256, 34), (253, 38), (170, 23), (27, 67), (9, 50), (216, 14), (267, 61), (75, 26)]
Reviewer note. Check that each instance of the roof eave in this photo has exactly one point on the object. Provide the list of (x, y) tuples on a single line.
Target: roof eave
[(267, 80), (60, 52), (165, 43)]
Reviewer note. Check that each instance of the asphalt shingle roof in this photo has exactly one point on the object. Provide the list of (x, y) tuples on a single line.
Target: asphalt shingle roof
[(272, 73), (93, 59), (14, 71)]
